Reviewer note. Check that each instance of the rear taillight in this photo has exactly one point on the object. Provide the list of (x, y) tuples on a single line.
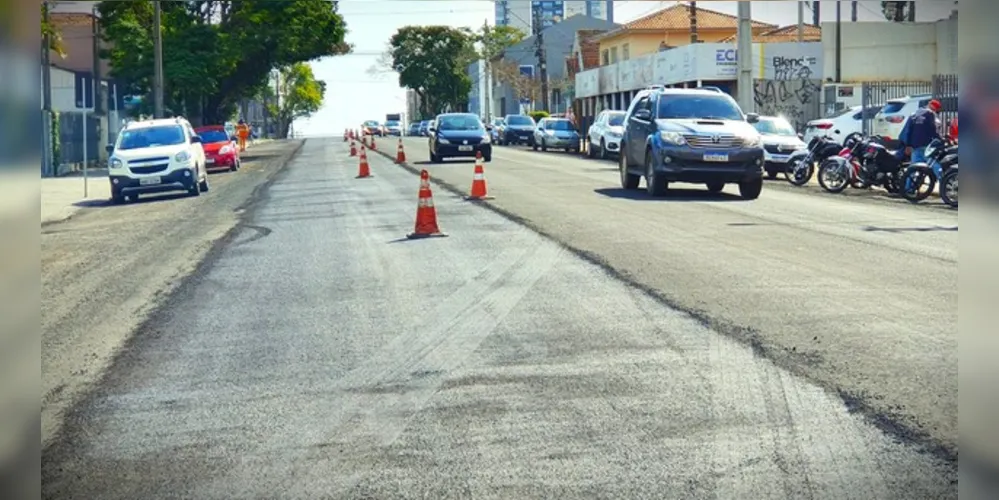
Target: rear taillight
[(824, 126), (895, 119)]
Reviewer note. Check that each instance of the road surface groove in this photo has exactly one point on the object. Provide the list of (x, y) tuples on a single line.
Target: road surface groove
[(333, 358), (859, 296)]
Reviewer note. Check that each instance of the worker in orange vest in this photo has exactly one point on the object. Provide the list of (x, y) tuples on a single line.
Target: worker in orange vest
[(243, 132)]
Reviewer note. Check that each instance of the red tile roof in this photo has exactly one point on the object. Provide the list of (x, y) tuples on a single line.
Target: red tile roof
[(783, 34), (677, 17)]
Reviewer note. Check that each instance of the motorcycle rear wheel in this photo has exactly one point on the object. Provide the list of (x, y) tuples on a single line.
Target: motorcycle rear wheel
[(948, 188), (798, 174), (918, 183), (834, 176)]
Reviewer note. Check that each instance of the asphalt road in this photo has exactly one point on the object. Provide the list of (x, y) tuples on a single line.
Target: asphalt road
[(104, 270), (320, 354), (857, 293)]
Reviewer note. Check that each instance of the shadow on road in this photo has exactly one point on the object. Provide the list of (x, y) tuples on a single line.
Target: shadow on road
[(925, 229), (447, 162), (671, 195), (149, 198)]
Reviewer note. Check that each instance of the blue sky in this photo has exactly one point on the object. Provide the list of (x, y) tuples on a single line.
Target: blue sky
[(354, 94)]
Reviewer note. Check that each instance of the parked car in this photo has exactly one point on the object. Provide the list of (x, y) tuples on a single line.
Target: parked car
[(519, 129), (779, 141), (371, 127), (425, 128), (459, 135), (888, 122), (604, 136), (558, 133), (414, 129), (693, 136), (841, 124), (221, 149), (156, 156), (497, 132)]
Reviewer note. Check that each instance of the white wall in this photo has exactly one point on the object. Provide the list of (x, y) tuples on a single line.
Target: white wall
[(63, 90), (883, 51)]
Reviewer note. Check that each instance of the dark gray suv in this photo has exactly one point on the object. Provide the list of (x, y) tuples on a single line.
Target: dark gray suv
[(692, 136)]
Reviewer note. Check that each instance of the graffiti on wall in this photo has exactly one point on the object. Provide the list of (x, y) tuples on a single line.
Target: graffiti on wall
[(793, 92)]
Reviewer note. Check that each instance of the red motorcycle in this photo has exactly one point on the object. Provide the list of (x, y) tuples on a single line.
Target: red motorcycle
[(838, 172)]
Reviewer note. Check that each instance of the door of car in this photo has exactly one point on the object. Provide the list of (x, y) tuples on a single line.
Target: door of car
[(593, 135), (636, 128), (539, 130)]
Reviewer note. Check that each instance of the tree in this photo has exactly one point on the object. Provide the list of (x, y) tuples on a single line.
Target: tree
[(55, 37), (899, 11), (301, 95), (433, 61), (493, 40), (217, 52)]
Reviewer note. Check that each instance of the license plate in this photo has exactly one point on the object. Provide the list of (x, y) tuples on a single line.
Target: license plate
[(211, 161), (779, 158), (715, 157), (149, 181), (464, 148)]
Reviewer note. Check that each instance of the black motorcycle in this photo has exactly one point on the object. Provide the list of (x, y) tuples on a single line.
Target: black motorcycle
[(880, 166), (801, 165), (940, 166)]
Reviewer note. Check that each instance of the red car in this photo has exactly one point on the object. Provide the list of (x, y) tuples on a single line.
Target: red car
[(221, 151)]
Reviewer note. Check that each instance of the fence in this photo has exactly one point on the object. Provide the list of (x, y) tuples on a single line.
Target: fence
[(71, 150), (944, 88)]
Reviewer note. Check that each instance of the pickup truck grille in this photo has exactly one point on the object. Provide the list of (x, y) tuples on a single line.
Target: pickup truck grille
[(725, 141)]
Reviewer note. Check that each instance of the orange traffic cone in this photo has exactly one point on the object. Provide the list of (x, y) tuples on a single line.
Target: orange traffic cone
[(353, 147), (400, 155), (478, 181), (426, 214), (363, 170), (372, 142)]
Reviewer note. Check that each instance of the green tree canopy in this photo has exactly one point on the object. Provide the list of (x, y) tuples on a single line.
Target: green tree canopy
[(494, 40), (433, 61), (217, 52), (301, 94)]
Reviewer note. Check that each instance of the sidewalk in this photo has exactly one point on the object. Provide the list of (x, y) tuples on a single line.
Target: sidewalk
[(63, 196)]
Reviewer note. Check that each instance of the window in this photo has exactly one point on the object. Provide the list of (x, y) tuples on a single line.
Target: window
[(213, 136), (168, 135), (559, 125), (775, 126), (893, 107), (613, 57), (605, 57), (460, 122), (615, 119), (519, 120), (718, 107), (643, 103), (626, 49)]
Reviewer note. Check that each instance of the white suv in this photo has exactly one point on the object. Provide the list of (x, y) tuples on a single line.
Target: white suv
[(604, 135), (156, 156), (893, 115)]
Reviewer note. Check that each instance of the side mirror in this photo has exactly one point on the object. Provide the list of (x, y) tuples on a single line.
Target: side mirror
[(836, 131), (800, 135), (489, 127), (643, 114), (752, 118), (195, 139), (109, 148)]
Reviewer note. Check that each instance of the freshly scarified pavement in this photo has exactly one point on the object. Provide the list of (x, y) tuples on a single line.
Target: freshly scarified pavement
[(321, 354)]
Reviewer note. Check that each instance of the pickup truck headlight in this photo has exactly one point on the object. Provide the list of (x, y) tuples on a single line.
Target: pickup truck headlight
[(182, 157), (674, 138), (751, 142), (116, 163)]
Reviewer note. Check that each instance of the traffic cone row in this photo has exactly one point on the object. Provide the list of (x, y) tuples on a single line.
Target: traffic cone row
[(363, 170), (400, 154), (353, 147)]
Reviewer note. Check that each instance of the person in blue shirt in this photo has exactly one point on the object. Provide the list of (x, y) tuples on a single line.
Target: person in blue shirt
[(920, 130)]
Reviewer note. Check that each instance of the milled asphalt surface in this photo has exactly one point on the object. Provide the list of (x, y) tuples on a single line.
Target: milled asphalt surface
[(319, 354), (105, 269), (858, 293)]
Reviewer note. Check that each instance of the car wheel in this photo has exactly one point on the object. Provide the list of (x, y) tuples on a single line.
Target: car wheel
[(603, 150), (716, 187), (117, 198), (195, 189), (234, 167), (628, 180), (204, 183), (544, 147), (487, 158), (750, 190), (534, 146), (434, 158), (655, 185)]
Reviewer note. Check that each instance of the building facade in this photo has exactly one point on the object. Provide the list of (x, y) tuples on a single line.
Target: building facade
[(520, 14)]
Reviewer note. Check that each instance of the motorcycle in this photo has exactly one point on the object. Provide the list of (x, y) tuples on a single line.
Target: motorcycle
[(837, 172), (801, 165), (941, 158)]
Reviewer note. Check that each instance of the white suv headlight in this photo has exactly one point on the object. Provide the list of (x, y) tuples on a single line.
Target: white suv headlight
[(182, 156), (443, 140), (674, 138), (115, 163), (751, 142)]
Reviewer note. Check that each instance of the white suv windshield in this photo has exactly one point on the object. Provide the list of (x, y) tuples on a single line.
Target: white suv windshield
[(774, 127), (151, 137)]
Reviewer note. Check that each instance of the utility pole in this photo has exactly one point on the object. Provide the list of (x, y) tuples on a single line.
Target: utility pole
[(801, 22), (48, 167), (487, 75), (100, 109), (744, 56), (839, 42), (539, 51), (853, 11), (157, 61), (693, 22), (912, 12), (816, 13)]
